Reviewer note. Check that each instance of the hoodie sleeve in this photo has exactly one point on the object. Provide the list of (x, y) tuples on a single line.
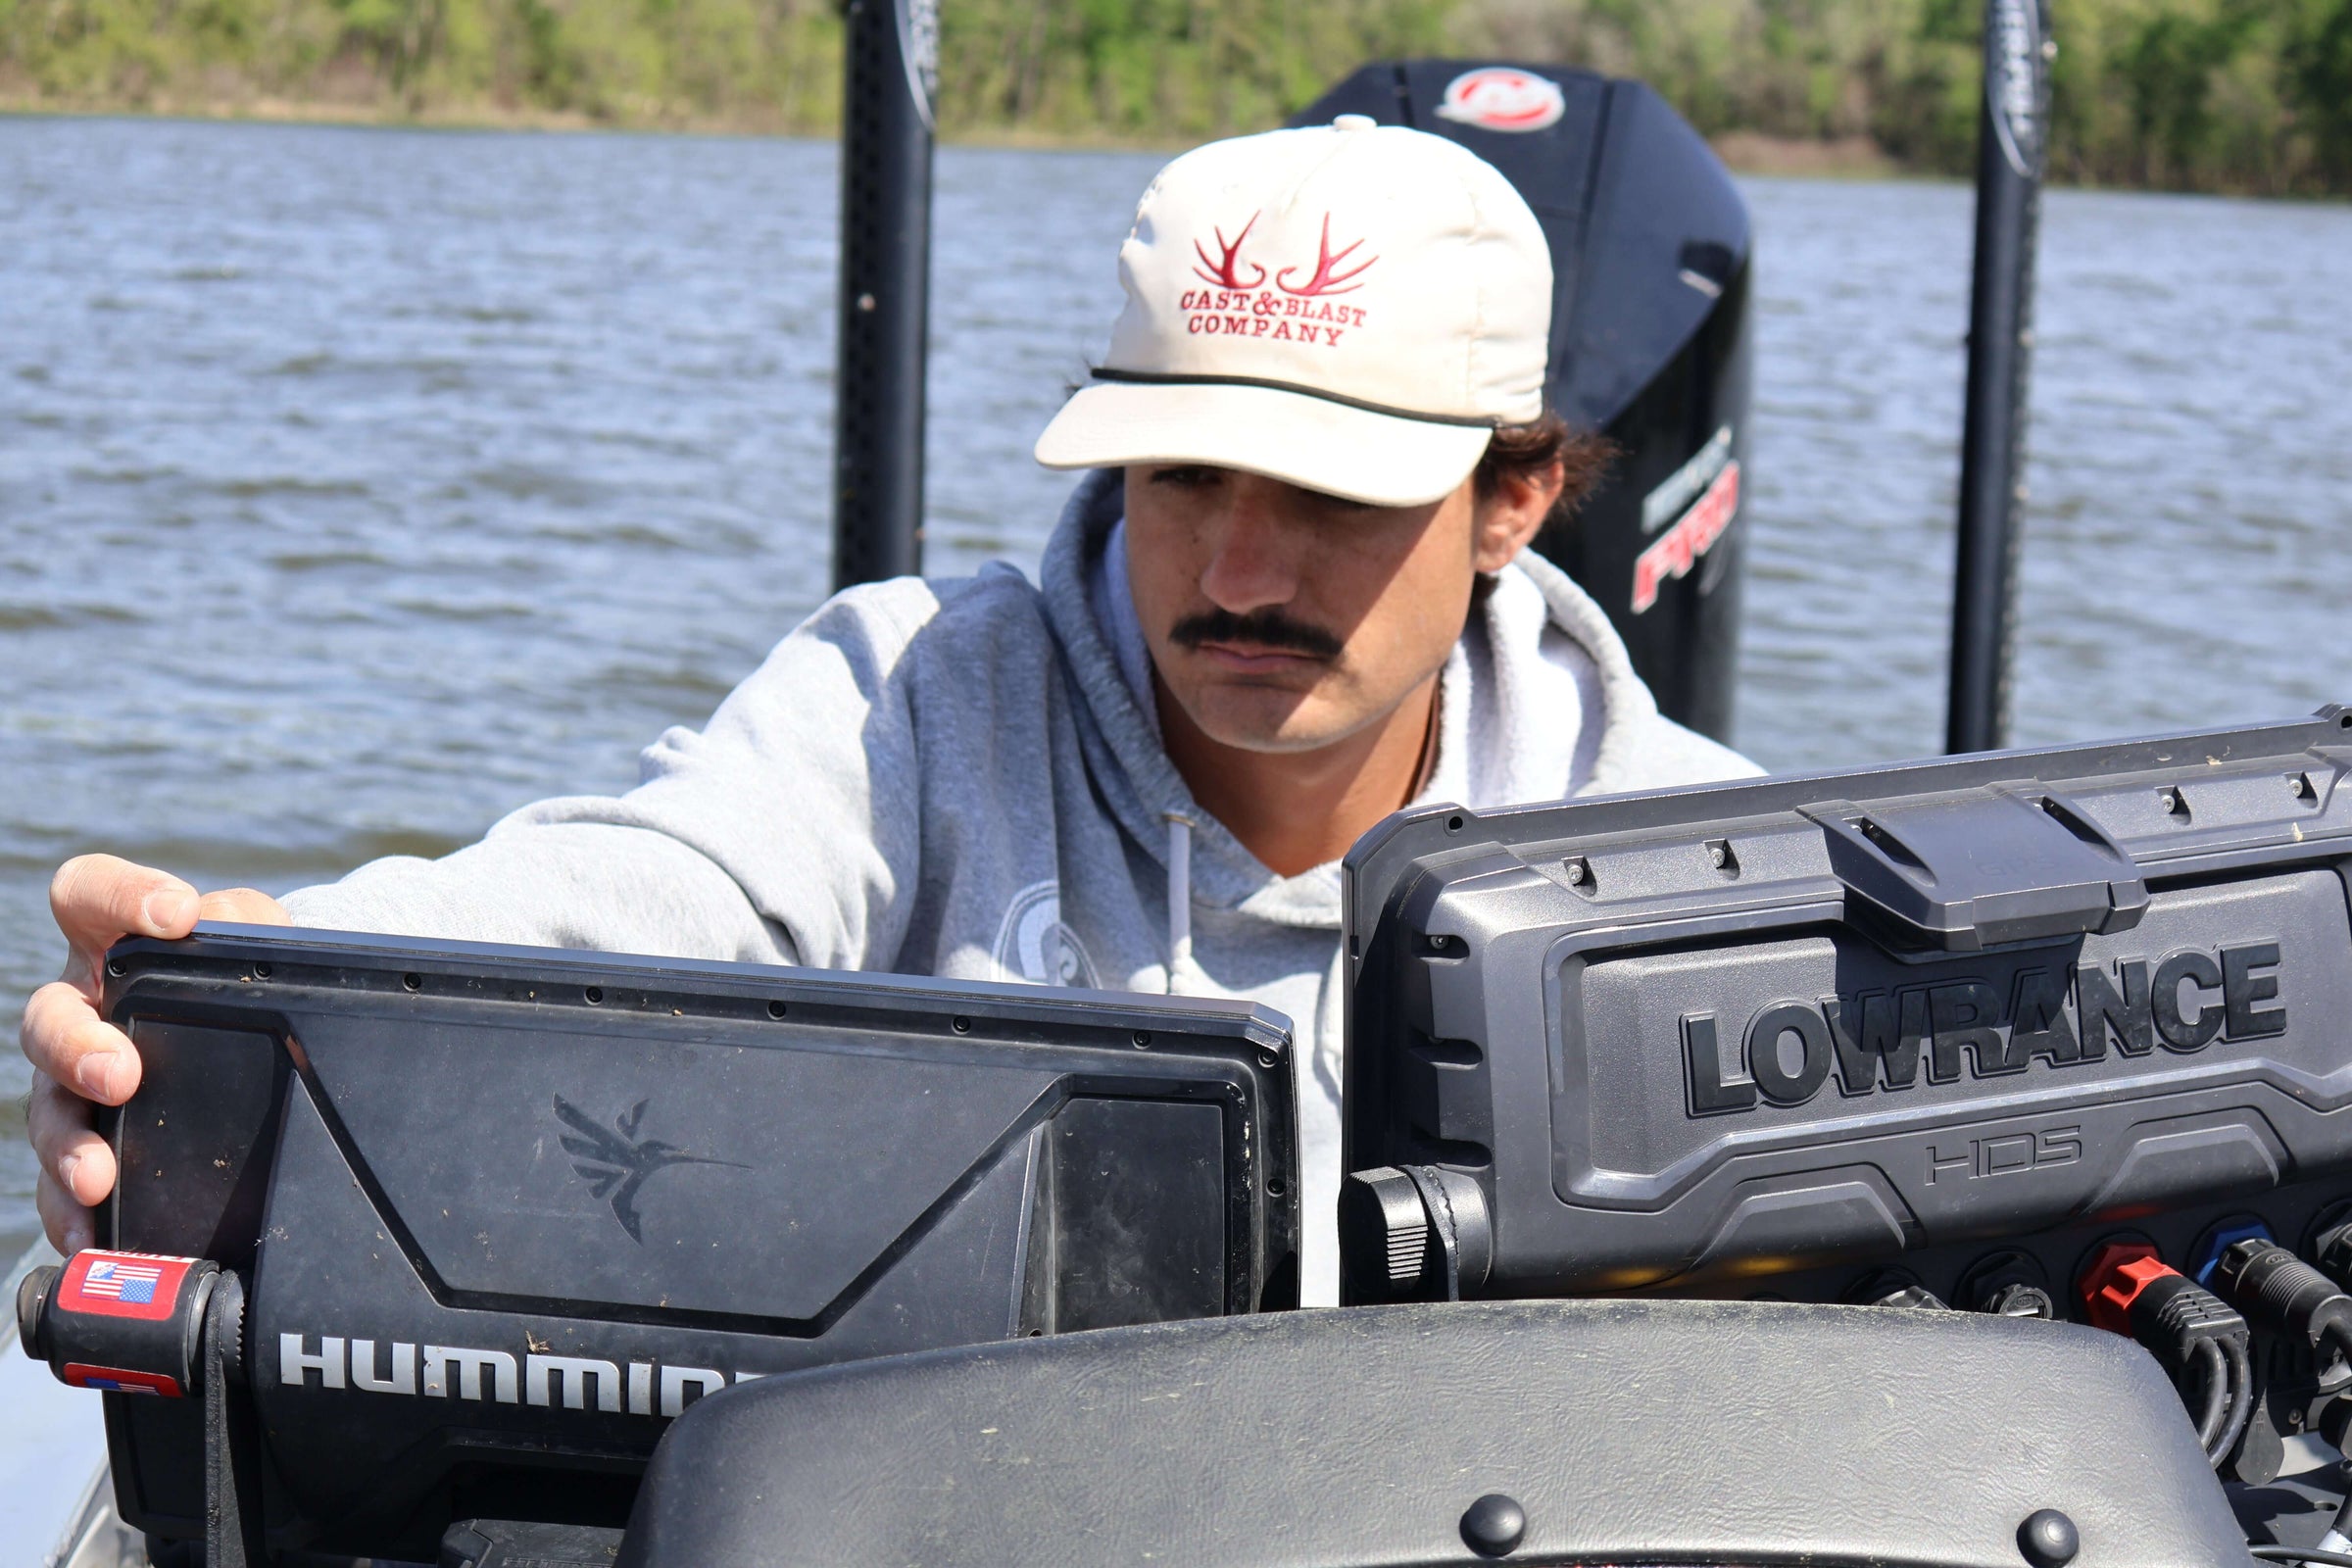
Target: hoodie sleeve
[(783, 832), (1673, 754)]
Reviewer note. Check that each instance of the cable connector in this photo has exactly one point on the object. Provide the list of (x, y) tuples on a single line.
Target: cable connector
[(1893, 1288), (2173, 1314), (2286, 1295), (2117, 1284), (2332, 1250), (2128, 1290)]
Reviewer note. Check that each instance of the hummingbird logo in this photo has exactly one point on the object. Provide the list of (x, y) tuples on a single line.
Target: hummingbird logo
[(618, 1163)]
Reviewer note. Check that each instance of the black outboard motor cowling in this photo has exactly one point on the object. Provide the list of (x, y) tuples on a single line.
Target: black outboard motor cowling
[(1650, 338)]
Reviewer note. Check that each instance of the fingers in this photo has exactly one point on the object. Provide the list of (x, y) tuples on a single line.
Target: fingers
[(72, 1155), (68, 1043), (242, 907), (100, 898), (68, 1226)]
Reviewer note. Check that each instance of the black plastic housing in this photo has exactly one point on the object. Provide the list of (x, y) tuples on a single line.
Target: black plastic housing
[(504, 1211), (1625, 1431), (1952, 1016), (1650, 345)]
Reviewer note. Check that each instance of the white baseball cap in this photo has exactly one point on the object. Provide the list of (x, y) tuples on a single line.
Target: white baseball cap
[(1350, 308)]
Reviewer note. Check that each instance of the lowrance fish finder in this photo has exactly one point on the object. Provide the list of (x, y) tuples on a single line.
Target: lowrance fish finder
[(2061, 1034)]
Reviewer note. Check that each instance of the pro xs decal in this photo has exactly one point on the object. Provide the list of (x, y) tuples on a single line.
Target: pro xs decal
[(1696, 531), (1879, 1041)]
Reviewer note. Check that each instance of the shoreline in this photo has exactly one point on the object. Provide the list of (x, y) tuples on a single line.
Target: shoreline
[(1743, 152)]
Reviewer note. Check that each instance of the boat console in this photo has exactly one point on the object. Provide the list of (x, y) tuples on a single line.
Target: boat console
[(1937, 1071)]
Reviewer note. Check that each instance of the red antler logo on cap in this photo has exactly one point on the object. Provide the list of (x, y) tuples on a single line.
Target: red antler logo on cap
[(1329, 279), (1226, 264)]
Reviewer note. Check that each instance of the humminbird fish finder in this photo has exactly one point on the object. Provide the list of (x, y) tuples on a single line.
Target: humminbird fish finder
[(1987, 1119), (410, 1233)]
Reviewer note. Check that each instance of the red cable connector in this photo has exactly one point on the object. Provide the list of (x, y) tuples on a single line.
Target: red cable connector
[(2115, 1278), (2128, 1289)]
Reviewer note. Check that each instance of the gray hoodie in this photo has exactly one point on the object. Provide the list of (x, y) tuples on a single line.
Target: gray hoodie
[(964, 778)]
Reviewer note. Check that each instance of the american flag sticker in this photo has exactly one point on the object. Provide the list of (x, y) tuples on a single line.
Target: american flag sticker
[(124, 1282), (120, 1380), (134, 1284)]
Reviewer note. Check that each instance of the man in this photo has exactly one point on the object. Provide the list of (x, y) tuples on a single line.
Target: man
[(1289, 599)]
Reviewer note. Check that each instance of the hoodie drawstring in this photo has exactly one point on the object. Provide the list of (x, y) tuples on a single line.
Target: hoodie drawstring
[(1180, 894)]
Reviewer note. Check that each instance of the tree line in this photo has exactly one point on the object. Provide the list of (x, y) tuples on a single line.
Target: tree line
[(2246, 95)]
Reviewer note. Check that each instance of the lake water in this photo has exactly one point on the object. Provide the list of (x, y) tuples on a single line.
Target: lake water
[(357, 486)]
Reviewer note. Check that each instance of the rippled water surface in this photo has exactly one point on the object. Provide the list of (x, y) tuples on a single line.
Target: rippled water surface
[(357, 486)]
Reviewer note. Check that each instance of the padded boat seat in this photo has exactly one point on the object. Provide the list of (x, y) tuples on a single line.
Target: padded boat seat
[(1673, 1431)]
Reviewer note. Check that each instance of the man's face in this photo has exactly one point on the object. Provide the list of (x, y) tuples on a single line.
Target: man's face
[(1284, 620)]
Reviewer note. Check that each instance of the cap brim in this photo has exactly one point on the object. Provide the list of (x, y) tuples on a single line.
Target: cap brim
[(1386, 459)]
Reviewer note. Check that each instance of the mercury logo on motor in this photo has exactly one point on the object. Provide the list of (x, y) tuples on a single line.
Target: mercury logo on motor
[(2059, 1016)]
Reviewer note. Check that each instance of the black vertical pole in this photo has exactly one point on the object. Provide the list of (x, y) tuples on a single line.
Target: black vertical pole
[(888, 73), (2011, 143)]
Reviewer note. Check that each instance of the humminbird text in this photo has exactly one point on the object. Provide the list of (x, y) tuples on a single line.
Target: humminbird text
[(2059, 1016), (460, 1372)]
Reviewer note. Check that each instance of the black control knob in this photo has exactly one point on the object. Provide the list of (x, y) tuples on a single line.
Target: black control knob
[(32, 1294), (1384, 1231)]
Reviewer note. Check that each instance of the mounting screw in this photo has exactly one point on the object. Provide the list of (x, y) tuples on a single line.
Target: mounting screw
[(415, 982), (1142, 1039), (2048, 1539), (1495, 1525)]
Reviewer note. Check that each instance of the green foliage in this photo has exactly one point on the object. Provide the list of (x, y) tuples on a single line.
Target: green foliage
[(2196, 94), (2317, 52), (2203, 94), (1159, 70)]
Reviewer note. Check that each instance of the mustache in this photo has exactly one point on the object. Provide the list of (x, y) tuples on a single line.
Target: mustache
[(1262, 628)]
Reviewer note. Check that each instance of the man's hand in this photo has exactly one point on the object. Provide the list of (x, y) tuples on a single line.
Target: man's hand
[(78, 1057)]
